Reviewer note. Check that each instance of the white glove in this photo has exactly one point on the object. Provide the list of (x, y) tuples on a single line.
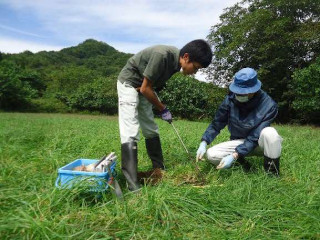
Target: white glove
[(201, 150), (226, 162)]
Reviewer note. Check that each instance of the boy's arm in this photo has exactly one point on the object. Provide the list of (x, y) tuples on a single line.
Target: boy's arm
[(146, 90)]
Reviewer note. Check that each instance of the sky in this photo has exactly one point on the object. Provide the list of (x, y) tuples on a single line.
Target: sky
[(127, 25)]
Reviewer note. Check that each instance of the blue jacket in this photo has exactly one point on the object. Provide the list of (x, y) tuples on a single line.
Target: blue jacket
[(244, 120)]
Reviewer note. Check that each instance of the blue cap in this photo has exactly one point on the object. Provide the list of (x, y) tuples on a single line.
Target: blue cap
[(245, 81)]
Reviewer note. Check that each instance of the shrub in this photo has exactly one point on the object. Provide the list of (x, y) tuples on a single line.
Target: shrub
[(185, 97), (49, 105), (306, 89), (16, 86), (101, 96), (190, 98)]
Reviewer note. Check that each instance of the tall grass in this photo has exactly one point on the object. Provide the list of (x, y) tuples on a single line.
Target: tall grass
[(226, 204)]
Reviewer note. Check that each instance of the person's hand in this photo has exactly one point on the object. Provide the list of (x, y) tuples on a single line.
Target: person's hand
[(226, 162), (166, 115), (201, 150)]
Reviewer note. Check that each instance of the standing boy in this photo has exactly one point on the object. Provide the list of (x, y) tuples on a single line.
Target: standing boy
[(144, 72)]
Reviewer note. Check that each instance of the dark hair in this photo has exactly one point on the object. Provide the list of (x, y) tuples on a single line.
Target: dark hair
[(199, 51)]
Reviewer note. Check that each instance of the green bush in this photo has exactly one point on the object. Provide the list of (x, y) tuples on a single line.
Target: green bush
[(49, 105), (190, 98), (185, 97), (16, 86), (101, 96), (306, 89), (215, 98)]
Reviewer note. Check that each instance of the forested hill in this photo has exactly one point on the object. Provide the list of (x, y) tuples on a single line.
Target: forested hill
[(38, 80), (103, 59)]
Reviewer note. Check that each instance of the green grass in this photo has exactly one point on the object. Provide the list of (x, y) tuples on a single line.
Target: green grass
[(230, 204)]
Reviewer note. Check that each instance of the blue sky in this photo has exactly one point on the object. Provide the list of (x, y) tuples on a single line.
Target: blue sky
[(128, 26)]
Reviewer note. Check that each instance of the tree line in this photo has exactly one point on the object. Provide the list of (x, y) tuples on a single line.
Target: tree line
[(83, 79)]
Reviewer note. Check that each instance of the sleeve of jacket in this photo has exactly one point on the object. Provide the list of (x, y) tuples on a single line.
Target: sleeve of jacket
[(219, 122), (251, 142)]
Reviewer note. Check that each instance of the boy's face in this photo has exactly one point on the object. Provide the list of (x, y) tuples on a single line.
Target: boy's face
[(187, 66)]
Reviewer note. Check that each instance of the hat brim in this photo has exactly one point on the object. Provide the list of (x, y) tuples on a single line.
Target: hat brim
[(238, 90)]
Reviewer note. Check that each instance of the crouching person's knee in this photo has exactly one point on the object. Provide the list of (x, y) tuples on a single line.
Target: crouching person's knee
[(270, 141), (214, 156), (270, 135)]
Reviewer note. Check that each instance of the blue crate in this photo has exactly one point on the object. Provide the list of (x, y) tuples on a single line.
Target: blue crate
[(94, 181)]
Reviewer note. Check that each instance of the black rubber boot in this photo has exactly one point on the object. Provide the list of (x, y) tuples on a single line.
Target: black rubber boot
[(129, 164), (246, 166), (154, 150), (272, 165)]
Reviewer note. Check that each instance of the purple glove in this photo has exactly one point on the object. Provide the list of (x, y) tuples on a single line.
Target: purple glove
[(166, 115)]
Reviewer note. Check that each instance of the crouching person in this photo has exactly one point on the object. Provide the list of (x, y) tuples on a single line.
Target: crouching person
[(248, 111)]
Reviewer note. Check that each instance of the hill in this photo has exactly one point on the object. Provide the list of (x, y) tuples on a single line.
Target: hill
[(90, 53), (46, 77)]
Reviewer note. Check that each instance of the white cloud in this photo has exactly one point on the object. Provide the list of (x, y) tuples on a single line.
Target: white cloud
[(16, 46), (140, 23), (19, 31)]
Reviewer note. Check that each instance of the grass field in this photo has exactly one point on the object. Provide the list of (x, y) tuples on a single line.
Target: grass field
[(227, 204)]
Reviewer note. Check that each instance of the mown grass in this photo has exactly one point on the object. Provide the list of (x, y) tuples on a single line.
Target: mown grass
[(229, 204)]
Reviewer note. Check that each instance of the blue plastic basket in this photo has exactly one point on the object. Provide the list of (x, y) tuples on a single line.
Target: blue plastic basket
[(93, 181)]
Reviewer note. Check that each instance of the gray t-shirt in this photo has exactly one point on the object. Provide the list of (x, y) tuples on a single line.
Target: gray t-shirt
[(157, 63)]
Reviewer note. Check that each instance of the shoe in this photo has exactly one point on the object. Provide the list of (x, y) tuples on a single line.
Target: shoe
[(154, 150), (272, 165), (246, 166), (129, 164)]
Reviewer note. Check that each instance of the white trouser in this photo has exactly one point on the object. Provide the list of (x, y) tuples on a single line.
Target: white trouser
[(269, 146), (134, 111)]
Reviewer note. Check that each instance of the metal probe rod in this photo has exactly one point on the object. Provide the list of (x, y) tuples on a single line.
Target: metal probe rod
[(196, 165), (180, 138)]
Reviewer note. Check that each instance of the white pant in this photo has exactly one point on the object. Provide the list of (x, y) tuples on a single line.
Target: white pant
[(135, 111), (269, 145)]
